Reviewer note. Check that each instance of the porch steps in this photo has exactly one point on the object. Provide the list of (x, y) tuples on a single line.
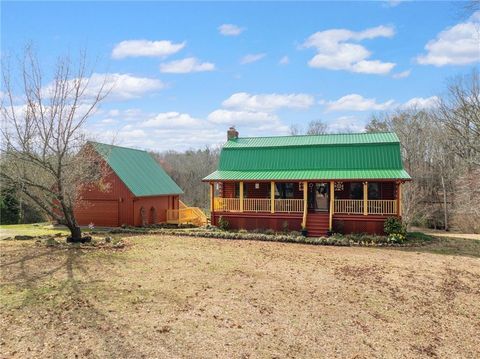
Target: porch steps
[(317, 224)]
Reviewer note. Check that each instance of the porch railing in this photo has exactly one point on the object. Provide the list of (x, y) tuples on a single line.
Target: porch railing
[(289, 205), (348, 206), (356, 206), (382, 206), (258, 205), (345, 206), (227, 204), (192, 215)]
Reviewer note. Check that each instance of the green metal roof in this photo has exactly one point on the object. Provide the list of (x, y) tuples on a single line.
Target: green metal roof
[(309, 140), (342, 156), (138, 170), (307, 175)]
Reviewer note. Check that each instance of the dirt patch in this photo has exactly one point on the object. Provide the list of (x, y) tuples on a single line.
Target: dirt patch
[(176, 297)]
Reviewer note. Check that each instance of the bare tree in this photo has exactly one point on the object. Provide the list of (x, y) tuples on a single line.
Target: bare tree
[(316, 127), (423, 199), (295, 130), (43, 139), (459, 112)]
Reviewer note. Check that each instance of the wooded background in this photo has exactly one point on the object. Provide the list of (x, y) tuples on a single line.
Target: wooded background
[(440, 149)]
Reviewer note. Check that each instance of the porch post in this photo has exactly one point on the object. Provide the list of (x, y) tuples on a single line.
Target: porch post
[(212, 198), (241, 196), (399, 199), (332, 202), (365, 198), (305, 204), (272, 197)]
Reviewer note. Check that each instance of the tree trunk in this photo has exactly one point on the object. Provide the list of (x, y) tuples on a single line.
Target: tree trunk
[(75, 234), (445, 210)]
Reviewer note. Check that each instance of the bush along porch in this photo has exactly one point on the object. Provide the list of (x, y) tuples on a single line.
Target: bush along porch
[(320, 184)]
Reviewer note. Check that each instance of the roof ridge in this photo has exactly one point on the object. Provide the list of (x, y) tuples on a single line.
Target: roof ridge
[(312, 145), (124, 147), (320, 135)]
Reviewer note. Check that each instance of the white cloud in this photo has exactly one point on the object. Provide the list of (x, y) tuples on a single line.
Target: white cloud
[(373, 67), (248, 59), (126, 86), (268, 102), (252, 122), (421, 102), (187, 65), (284, 60), (457, 45), (157, 131), (138, 48), (230, 30), (229, 117), (355, 102), (113, 113), (172, 120), (401, 75), (336, 50), (346, 124), (120, 86)]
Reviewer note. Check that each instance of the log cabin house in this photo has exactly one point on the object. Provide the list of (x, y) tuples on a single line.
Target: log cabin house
[(347, 183)]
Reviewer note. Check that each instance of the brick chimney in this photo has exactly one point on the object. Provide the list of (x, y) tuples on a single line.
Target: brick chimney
[(232, 133)]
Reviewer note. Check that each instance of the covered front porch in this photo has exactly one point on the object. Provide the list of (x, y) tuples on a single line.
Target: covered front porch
[(306, 200)]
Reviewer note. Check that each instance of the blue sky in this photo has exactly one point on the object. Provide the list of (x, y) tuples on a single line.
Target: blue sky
[(184, 72)]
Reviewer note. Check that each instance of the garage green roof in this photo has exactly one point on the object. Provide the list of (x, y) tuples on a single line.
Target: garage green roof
[(322, 157), (140, 172)]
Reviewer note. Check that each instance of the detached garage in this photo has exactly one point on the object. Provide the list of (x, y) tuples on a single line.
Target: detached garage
[(135, 192)]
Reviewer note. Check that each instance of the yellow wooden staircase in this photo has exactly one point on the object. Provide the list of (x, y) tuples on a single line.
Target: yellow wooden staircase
[(187, 215)]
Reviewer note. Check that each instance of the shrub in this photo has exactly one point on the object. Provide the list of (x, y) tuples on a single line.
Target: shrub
[(395, 229), (394, 225), (338, 226), (395, 238), (223, 223)]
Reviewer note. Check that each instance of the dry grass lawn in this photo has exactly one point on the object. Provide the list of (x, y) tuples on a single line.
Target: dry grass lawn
[(173, 297)]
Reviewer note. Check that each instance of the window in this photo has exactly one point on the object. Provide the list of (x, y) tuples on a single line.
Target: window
[(237, 190), (373, 190), (356, 190), (284, 190)]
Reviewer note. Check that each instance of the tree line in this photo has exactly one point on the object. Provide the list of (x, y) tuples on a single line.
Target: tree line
[(43, 166), (441, 151)]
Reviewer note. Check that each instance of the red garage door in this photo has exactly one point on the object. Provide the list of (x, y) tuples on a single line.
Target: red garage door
[(102, 213)]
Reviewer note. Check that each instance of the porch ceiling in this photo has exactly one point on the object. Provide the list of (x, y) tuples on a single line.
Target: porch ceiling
[(389, 174)]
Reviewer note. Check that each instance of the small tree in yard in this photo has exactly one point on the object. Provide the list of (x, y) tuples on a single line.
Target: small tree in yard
[(43, 140)]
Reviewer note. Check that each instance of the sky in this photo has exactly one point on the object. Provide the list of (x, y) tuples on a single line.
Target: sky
[(182, 73)]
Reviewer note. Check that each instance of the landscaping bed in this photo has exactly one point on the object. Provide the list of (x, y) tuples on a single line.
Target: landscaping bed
[(270, 236)]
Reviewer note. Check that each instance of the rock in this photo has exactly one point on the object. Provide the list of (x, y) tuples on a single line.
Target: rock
[(108, 239), (51, 242), (23, 238), (86, 239)]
